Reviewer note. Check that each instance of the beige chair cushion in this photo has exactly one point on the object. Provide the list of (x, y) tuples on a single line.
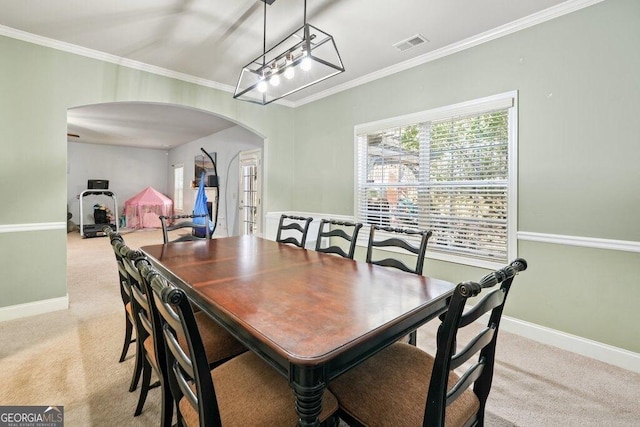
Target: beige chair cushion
[(218, 343), (151, 351), (390, 389), (252, 393)]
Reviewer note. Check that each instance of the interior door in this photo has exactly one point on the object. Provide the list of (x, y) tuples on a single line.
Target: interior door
[(250, 193)]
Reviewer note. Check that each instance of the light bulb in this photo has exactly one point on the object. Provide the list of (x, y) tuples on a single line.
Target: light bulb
[(262, 86), (289, 73), (306, 63), (275, 79)]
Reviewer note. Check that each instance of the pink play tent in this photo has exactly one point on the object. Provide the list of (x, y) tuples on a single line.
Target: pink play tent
[(143, 209)]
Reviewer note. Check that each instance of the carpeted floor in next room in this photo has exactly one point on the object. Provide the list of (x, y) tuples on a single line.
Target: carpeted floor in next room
[(70, 358)]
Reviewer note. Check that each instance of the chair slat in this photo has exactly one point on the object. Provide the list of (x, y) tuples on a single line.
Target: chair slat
[(465, 381), (392, 262), (335, 250), (158, 285), (394, 242), (185, 387), (178, 353), (487, 303), (340, 233), (475, 345)]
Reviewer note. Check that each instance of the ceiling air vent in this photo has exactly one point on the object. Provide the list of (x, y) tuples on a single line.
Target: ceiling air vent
[(411, 42)]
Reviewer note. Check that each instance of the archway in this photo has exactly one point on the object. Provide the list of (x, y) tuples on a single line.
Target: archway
[(136, 144)]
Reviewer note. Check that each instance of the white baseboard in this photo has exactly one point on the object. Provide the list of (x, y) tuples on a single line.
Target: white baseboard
[(605, 353), (33, 308)]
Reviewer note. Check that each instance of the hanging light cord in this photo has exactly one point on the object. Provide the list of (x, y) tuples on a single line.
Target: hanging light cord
[(264, 34), (305, 12)]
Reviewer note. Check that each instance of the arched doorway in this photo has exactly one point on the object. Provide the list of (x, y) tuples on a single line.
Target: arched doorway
[(138, 144)]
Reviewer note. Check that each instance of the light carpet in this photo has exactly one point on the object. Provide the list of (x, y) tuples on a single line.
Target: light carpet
[(70, 358)]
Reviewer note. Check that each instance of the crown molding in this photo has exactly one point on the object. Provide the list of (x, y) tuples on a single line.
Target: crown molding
[(529, 21), (106, 57), (537, 18), (118, 60)]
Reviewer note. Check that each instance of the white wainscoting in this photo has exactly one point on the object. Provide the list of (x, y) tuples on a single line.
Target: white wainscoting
[(35, 307)]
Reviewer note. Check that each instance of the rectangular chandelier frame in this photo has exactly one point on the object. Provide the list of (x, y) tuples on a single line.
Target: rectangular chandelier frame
[(307, 56)]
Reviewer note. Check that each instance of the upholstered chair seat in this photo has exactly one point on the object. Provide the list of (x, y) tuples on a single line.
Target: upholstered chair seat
[(402, 385), (251, 393), (219, 345), (377, 393)]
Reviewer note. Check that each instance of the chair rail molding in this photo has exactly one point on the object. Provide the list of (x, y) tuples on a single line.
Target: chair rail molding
[(587, 242), (41, 226)]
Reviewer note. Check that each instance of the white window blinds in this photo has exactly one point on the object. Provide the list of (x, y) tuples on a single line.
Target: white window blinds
[(450, 173)]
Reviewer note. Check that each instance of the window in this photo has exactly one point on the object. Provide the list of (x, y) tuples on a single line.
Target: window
[(452, 171), (178, 187)]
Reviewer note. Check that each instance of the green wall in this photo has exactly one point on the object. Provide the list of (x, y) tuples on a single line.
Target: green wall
[(37, 86), (578, 80)]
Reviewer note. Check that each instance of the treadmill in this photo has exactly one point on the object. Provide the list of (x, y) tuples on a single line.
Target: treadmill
[(99, 188)]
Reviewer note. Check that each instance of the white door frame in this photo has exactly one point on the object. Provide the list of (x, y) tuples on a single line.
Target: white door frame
[(247, 158)]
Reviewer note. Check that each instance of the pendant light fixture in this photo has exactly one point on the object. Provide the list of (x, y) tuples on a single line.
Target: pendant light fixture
[(307, 56)]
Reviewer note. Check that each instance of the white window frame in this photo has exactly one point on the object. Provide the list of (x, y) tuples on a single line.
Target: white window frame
[(178, 190), (508, 101)]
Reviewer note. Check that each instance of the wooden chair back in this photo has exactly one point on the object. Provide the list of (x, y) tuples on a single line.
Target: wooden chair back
[(117, 241), (400, 239), (344, 230), (142, 313), (480, 373), (297, 223), (188, 374), (199, 231)]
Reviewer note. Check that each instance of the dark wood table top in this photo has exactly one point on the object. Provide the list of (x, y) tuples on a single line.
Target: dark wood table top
[(311, 315), (307, 307)]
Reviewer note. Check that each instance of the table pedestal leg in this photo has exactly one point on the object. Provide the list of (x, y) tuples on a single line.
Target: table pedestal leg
[(308, 390)]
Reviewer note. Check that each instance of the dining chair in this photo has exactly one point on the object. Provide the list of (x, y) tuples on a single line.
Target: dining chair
[(293, 224), (406, 386), (343, 230), (219, 345), (198, 231), (400, 239), (142, 316), (243, 391), (119, 247), (125, 293)]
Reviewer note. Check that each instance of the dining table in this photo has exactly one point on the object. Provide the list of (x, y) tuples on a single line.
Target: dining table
[(312, 316)]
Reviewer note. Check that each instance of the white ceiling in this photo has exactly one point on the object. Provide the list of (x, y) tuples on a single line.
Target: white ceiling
[(141, 124), (213, 39)]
